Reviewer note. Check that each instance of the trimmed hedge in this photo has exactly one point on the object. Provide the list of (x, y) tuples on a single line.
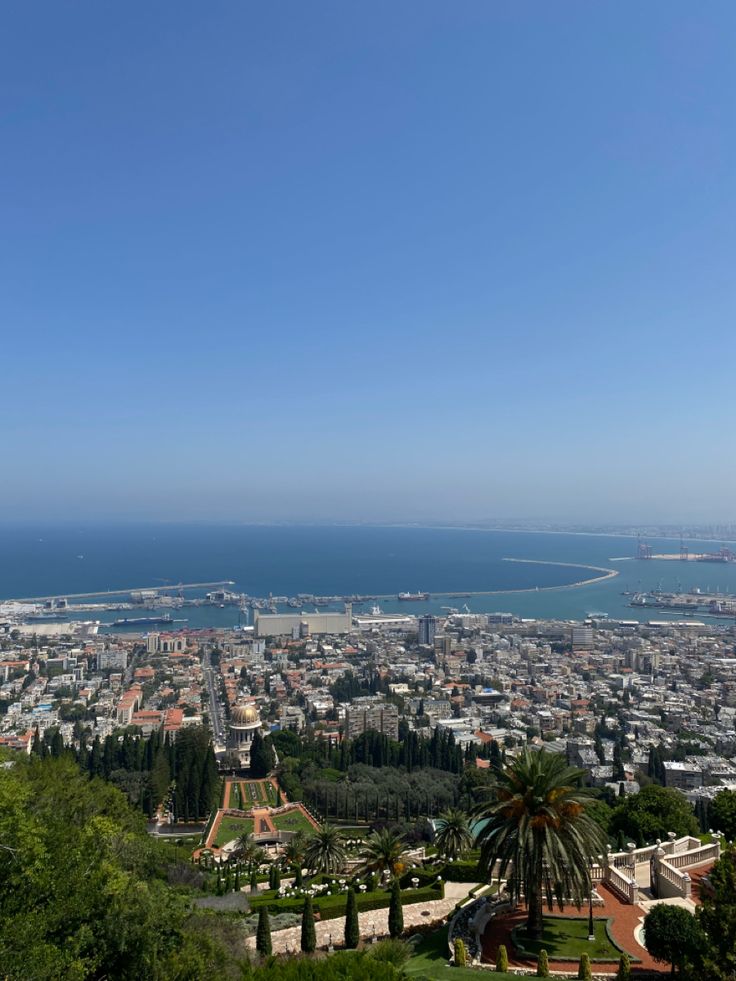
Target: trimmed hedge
[(330, 907)]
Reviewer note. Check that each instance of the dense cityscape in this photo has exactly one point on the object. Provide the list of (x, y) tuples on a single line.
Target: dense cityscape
[(285, 769)]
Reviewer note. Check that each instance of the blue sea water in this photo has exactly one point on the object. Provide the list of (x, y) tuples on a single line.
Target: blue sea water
[(285, 560)]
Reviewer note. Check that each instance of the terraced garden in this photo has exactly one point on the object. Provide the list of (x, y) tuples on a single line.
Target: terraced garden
[(232, 827), (292, 821)]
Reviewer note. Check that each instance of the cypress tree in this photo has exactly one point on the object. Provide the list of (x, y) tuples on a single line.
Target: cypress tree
[(253, 881), (395, 911), (584, 972), (237, 878), (263, 933), (309, 934), (542, 964), (276, 877), (352, 928)]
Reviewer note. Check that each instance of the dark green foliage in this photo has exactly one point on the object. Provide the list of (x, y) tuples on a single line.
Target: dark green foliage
[(261, 755), (263, 933), (347, 966), (395, 912), (673, 935), (652, 813), (542, 964), (352, 928), (624, 968), (722, 813), (717, 917), (254, 881), (309, 934), (584, 972)]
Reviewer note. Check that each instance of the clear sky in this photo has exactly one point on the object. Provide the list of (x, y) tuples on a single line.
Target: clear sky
[(399, 260)]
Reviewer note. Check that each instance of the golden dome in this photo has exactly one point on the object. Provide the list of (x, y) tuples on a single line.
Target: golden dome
[(244, 715)]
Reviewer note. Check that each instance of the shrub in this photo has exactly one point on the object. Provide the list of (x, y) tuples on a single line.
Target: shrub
[(624, 968), (542, 965), (393, 952), (263, 934), (352, 928), (502, 959), (460, 958), (309, 934), (395, 912), (584, 973)]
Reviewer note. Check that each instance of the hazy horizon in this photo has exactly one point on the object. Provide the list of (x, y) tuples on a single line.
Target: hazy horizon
[(403, 262)]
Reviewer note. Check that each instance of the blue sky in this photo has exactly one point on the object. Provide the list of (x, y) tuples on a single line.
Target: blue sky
[(398, 260)]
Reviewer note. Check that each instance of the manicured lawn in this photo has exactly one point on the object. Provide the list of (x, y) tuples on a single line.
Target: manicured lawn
[(231, 827), (567, 938), (235, 796), (430, 961), (331, 906), (292, 821)]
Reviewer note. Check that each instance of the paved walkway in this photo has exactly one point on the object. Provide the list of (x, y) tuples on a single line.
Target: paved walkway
[(374, 923), (625, 920)]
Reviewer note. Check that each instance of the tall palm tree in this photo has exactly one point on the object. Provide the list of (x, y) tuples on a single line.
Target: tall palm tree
[(539, 829), (325, 851), (452, 836), (383, 850)]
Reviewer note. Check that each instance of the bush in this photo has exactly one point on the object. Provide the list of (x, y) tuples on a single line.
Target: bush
[(395, 912), (460, 957), (542, 965), (584, 973), (624, 968), (352, 928), (263, 934), (393, 952), (673, 935), (309, 934), (502, 959)]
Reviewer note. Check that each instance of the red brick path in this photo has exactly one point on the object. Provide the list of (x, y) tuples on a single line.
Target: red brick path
[(625, 919)]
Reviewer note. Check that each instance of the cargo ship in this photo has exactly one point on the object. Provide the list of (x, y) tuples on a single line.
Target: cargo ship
[(413, 597), (145, 621)]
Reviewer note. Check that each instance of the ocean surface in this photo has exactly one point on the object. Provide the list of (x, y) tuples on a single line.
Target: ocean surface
[(341, 560)]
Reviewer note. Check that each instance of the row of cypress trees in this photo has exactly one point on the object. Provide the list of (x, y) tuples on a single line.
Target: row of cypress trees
[(352, 926)]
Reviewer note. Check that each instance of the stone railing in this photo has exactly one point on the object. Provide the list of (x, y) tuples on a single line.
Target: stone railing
[(705, 853), (622, 884)]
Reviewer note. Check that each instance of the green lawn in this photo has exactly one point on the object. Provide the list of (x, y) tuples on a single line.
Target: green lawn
[(331, 906), (567, 938), (232, 827), (235, 796), (430, 961), (292, 821)]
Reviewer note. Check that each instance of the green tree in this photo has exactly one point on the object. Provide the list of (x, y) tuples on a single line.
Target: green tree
[(352, 927), (395, 911), (309, 934), (263, 933), (584, 972), (325, 851), (383, 850), (453, 836), (502, 959), (717, 917), (542, 964), (460, 958), (624, 968), (652, 813), (672, 934), (261, 755), (722, 813), (539, 827)]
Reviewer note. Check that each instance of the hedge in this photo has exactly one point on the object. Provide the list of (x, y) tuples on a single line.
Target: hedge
[(330, 907)]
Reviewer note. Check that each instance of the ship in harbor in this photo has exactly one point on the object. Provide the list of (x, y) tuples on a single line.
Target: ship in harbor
[(162, 620), (413, 597)]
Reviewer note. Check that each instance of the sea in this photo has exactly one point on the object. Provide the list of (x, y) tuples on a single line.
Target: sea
[(283, 560)]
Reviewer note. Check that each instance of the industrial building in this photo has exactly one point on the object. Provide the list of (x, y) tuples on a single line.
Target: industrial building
[(302, 624)]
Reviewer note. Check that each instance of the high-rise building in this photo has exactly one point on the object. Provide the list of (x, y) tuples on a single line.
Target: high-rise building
[(582, 638), (371, 713), (427, 628)]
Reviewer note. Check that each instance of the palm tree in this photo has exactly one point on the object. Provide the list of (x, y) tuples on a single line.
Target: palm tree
[(325, 851), (294, 850), (383, 850), (245, 847), (453, 836), (538, 827)]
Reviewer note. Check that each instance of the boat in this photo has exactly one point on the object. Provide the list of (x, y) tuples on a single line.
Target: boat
[(413, 597), (44, 617), (145, 621)]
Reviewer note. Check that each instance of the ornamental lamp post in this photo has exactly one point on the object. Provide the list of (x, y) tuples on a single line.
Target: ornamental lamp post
[(591, 928)]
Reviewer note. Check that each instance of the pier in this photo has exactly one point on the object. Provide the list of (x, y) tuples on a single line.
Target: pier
[(120, 592)]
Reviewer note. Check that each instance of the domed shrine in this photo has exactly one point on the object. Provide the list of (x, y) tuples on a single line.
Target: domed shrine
[(244, 723)]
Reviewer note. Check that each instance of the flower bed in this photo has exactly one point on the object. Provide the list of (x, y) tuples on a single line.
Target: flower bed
[(333, 904)]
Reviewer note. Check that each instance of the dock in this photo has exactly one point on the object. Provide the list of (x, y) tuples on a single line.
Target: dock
[(169, 587)]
